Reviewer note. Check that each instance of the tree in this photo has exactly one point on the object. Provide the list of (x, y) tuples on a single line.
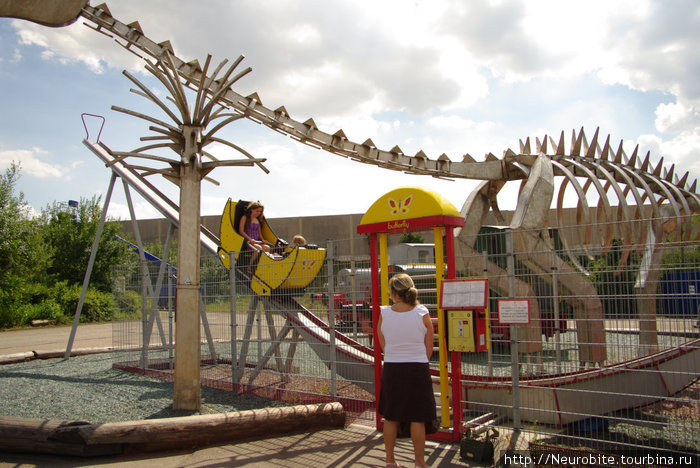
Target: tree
[(412, 238), (43, 259), (23, 253), (70, 233)]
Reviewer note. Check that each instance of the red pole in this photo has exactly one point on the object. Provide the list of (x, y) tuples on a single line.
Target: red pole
[(376, 302), (455, 357)]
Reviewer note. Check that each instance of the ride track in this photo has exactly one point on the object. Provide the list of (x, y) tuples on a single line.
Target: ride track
[(670, 198)]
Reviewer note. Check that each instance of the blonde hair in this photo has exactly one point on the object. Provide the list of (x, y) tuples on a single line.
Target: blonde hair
[(298, 240), (402, 285)]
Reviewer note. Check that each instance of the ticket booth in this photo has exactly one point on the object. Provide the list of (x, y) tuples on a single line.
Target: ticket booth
[(414, 209)]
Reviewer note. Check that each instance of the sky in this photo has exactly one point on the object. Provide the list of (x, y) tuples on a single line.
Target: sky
[(440, 76)]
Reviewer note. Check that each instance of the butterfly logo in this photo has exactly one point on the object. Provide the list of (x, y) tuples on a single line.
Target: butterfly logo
[(399, 206)]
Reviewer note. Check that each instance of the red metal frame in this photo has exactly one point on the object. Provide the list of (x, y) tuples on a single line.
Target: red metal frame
[(455, 358)]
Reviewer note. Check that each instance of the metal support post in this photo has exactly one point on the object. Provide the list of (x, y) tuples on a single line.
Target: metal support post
[(207, 330), (271, 331), (245, 343), (88, 270), (514, 366), (146, 286), (489, 349), (555, 302), (331, 318), (155, 294), (234, 320)]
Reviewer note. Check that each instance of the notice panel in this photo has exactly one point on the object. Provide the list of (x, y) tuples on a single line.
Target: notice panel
[(513, 311), (464, 294)]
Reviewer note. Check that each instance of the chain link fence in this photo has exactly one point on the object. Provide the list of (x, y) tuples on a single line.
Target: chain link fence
[(608, 362)]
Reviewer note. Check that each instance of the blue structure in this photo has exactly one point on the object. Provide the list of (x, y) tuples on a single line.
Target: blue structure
[(680, 293), (171, 270)]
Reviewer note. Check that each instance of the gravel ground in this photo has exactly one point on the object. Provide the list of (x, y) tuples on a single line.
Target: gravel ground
[(87, 388)]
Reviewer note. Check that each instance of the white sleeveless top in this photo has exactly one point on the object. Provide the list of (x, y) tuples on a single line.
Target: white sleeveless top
[(404, 334)]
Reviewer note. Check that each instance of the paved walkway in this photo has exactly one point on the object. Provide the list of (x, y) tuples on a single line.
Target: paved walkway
[(52, 339), (355, 446)]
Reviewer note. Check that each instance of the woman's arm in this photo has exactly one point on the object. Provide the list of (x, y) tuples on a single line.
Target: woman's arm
[(380, 335), (429, 335)]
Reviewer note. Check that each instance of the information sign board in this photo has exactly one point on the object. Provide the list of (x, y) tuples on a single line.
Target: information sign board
[(513, 311), (464, 294)]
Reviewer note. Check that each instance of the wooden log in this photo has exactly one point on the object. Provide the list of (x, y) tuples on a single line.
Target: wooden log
[(209, 428), (42, 323), (85, 439), (23, 435), (59, 353)]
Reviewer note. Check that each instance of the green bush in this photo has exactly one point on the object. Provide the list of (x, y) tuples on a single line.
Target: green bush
[(35, 293), (22, 299), (128, 304), (9, 317), (42, 259), (58, 303), (97, 307), (46, 310)]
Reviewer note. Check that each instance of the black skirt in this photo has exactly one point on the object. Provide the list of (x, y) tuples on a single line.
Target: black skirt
[(406, 393)]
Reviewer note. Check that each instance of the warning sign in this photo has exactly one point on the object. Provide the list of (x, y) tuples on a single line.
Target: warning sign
[(513, 311)]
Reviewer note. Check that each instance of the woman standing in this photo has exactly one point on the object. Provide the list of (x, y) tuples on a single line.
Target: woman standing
[(405, 333)]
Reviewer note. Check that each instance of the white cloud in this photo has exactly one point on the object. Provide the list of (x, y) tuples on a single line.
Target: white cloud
[(143, 210), (76, 43), (452, 122), (32, 164), (654, 47), (677, 117)]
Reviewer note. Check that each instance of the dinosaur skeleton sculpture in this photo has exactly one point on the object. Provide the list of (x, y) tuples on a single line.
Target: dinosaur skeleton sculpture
[(659, 198)]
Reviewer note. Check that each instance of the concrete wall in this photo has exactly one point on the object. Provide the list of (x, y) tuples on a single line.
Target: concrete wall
[(320, 229), (316, 229)]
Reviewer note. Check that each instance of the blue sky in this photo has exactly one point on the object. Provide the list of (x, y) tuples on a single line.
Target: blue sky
[(439, 76)]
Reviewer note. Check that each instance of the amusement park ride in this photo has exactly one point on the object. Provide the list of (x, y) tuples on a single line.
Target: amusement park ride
[(663, 205)]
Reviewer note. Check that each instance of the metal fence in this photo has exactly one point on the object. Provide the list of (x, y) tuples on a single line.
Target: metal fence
[(609, 361), (607, 364)]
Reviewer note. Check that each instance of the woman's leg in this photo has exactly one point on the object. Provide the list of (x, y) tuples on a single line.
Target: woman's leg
[(418, 439), (391, 428)]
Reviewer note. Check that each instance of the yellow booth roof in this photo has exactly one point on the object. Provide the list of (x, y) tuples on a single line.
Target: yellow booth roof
[(409, 209)]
